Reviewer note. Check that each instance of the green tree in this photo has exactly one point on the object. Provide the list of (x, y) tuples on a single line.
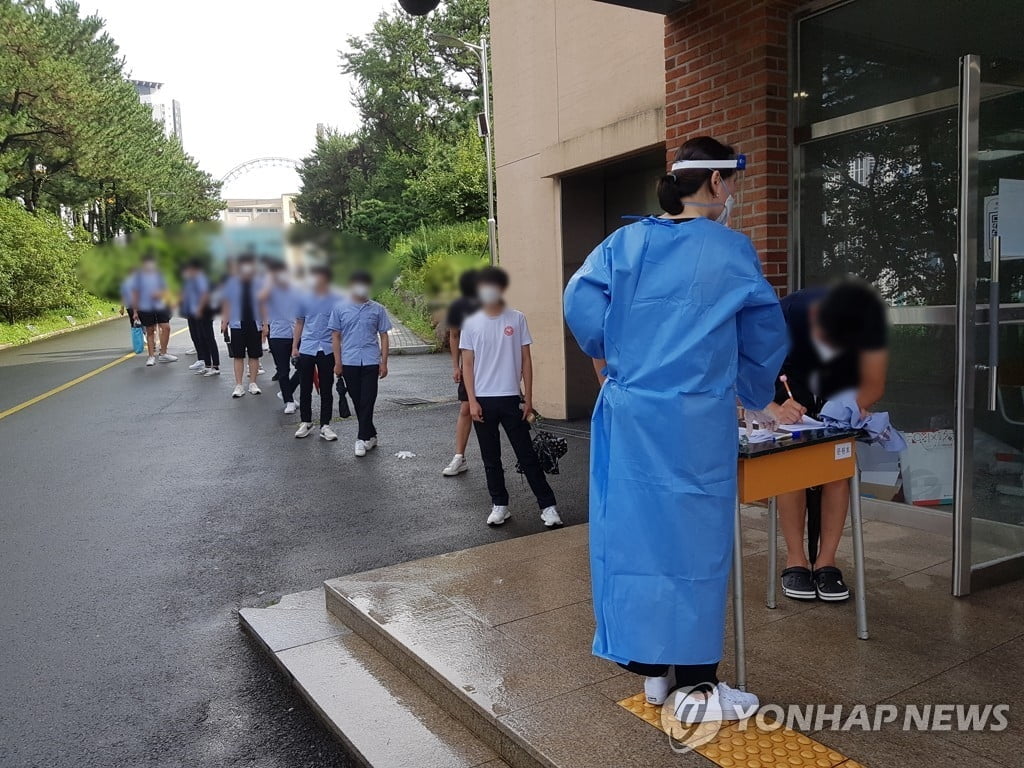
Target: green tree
[(452, 185)]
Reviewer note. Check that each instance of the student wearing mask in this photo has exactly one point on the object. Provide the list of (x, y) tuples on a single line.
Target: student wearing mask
[(680, 322), (195, 307), (149, 307), (461, 308), (838, 340), (496, 361), (312, 347), (280, 303), (359, 338), (240, 313)]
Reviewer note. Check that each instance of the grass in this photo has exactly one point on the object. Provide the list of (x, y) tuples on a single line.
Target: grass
[(24, 331), (411, 316)]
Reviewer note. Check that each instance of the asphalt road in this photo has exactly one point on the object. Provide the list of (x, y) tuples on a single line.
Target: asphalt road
[(140, 508)]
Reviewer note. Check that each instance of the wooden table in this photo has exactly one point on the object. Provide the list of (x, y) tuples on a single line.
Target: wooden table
[(767, 470)]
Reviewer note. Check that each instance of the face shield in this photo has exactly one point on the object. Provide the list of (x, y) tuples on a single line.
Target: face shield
[(732, 184)]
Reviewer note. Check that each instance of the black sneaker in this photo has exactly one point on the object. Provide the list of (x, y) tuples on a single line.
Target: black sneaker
[(828, 581), (797, 583)]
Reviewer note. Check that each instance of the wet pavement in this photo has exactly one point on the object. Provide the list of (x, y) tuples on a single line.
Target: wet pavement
[(142, 507)]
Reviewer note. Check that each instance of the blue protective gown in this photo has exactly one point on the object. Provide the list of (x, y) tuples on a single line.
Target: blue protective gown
[(687, 322)]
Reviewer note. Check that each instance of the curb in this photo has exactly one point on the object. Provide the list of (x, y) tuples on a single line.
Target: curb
[(412, 349), (60, 332)]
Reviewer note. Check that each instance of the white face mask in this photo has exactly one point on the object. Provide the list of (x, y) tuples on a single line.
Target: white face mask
[(360, 290), (825, 352), (489, 294), (730, 204), (245, 270)]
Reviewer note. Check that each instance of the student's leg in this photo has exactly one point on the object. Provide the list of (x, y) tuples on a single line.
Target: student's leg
[(165, 337), (462, 429), (793, 519), (325, 367), (835, 500), (193, 334), (281, 350), (306, 364), (354, 384), (254, 368), (210, 346), (518, 431), (490, 450), (151, 340), (369, 377)]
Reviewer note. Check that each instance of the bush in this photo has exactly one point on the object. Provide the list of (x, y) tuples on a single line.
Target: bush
[(39, 257)]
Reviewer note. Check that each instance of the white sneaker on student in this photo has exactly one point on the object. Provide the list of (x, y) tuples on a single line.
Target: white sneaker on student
[(151, 360), (550, 517), (198, 365), (304, 429), (371, 443), (254, 389), (723, 703), (327, 433), (238, 391), (498, 515), (289, 408), (279, 396), (657, 689), (167, 358), (200, 371), (360, 448), (260, 371), (457, 466), (211, 372)]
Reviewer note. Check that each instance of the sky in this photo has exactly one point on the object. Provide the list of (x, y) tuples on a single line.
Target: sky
[(254, 78)]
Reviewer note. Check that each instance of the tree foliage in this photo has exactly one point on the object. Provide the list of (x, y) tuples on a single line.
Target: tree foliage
[(416, 157), (73, 133)]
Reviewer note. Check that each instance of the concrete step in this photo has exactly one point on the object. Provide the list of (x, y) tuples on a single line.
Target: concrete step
[(384, 719)]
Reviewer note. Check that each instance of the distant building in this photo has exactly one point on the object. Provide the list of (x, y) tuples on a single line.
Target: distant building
[(166, 112), (276, 212)]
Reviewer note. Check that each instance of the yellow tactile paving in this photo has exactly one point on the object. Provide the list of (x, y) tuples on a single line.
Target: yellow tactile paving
[(731, 745)]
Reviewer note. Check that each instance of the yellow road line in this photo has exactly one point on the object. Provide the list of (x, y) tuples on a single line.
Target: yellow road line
[(73, 382)]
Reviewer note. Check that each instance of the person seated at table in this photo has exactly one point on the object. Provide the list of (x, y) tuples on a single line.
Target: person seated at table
[(838, 340)]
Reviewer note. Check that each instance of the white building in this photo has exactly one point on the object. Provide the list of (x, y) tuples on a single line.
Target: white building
[(166, 111)]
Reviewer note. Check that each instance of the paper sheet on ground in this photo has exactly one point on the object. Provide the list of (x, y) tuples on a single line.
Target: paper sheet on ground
[(805, 423)]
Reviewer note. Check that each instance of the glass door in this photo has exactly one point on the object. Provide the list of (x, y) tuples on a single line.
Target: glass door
[(989, 428)]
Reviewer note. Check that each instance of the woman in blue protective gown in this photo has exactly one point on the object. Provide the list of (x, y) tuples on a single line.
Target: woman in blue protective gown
[(680, 322)]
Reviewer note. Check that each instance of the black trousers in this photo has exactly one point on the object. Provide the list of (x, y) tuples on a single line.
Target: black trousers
[(505, 412), (200, 329), (281, 351), (362, 382), (324, 366), (687, 675)]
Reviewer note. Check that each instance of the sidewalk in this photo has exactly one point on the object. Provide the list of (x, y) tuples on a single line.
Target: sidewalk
[(405, 342)]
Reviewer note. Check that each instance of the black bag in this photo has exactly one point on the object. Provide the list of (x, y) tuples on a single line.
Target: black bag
[(549, 449)]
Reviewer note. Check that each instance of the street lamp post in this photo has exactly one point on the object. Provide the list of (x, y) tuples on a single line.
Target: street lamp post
[(482, 50)]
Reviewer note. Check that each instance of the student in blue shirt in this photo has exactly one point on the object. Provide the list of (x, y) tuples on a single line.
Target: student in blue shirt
[(126, 298), (280, 302), (312, 347), (149, 307), (240, 311), (360, 343), (195, 307)]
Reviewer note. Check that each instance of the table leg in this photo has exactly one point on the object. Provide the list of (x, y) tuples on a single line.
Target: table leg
[(737, 602), (856, 523), (773, 549)]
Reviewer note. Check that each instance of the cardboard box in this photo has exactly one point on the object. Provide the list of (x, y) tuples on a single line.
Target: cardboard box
[(879, 472), (927, 467)]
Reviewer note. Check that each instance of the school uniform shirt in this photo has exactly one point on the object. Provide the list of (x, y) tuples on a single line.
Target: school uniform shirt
[(282, 308), (497, 346), (191, 292), (148, 283), (360, 324), (127, 286), (243, 299), (315, 313)]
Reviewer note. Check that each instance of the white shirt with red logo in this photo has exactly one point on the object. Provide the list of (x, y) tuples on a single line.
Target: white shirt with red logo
[(497, 346)]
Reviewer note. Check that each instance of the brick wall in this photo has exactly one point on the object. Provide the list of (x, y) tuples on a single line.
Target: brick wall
[(726, 73)]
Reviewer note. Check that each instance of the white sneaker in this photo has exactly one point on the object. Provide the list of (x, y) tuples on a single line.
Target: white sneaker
[(457, 466), (371, 443), (498, 515), (199, 371), (550, 517), (289, 408), (304, 429), (238, 391), (151, 360), (211, 372), (167, 358), (253, 389), (260, 371), (724, 703), (279, 396), (198, 365), (327, 433), (360, 448), (657, 689)]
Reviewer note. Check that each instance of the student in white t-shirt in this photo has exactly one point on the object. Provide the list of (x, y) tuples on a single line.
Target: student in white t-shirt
[(495, 344)]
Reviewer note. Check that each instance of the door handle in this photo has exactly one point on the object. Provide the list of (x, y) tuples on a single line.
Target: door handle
[(993, 323)]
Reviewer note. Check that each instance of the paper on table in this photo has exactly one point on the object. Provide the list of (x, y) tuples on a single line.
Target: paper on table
[(805, 423), (761, 435)]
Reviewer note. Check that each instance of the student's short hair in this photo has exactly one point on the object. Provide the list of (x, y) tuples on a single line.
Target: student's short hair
[(492, 276), (467, 283), (321, 269), (194, 264), (148, 256), (851, 311), (361, 276), (246, 258), (276, 265)]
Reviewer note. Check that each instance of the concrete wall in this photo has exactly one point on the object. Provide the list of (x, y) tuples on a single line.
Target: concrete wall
[(576, 83)]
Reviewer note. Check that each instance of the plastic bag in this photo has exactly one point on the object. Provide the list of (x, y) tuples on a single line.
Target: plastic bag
[(138, 339)]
